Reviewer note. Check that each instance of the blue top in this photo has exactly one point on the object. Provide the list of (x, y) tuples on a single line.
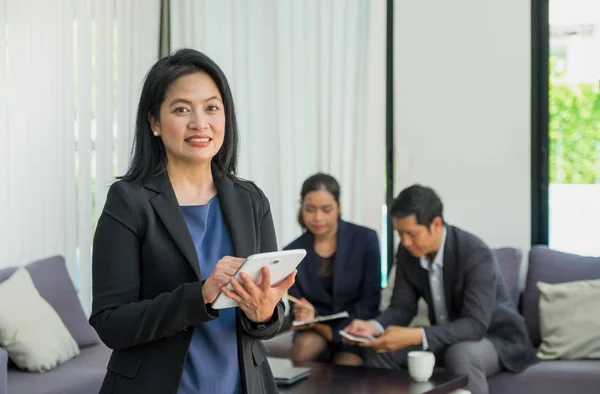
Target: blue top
[(212, 362)]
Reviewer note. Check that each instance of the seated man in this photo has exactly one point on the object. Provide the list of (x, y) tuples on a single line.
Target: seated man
[(476, 330)]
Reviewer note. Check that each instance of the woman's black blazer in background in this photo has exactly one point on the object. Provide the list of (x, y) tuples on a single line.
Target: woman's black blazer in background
[(147, 296), (356, 276)]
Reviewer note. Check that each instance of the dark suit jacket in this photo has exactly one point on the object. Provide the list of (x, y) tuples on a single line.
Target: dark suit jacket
[(356, 279), (147, 296), (477, 300)]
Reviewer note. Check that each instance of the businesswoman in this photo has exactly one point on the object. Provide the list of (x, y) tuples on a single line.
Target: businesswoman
[(174, 229), (341, 272)]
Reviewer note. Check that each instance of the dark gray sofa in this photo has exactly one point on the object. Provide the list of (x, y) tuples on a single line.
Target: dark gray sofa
[(556, 376), (80, 375), (546, 377)]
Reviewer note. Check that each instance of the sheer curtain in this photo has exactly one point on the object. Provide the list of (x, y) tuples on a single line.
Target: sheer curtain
[(308, 79), (70, 76)]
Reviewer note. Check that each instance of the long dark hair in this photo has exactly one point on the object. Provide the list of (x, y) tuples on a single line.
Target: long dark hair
[(319, 181), (148, 152)]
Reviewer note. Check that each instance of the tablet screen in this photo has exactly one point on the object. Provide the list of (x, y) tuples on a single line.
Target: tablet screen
[(280, 263)]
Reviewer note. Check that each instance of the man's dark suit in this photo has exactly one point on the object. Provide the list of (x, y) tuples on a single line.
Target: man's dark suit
[(147, 297), (477, 301)]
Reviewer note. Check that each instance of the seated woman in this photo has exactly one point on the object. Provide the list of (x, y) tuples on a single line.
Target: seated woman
[(341, 272)]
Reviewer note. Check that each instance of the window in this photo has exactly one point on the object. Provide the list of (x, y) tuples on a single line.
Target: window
[(566, 133)]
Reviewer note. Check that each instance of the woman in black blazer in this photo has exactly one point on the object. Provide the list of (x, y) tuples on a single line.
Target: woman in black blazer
[(164, 243), (341, 272)]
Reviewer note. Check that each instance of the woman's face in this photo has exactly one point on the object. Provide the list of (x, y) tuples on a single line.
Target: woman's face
[(192, 120), (320, 212)]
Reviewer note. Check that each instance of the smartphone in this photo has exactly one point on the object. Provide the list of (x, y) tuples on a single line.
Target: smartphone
[(355, 338)]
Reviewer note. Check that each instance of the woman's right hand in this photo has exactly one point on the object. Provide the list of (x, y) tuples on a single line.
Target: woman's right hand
[(304, 311), (224, 270)]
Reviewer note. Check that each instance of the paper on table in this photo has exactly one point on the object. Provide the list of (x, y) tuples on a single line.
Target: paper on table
[(318, 319)]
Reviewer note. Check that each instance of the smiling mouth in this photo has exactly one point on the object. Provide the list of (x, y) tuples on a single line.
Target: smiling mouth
[(198, 139)]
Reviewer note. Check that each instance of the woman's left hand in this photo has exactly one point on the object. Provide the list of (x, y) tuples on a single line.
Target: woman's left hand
[(258, 302)]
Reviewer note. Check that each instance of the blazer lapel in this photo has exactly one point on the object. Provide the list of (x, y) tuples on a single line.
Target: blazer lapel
[(421, 276), (342, 254), (167, 208), (449, 269), (239, 214)]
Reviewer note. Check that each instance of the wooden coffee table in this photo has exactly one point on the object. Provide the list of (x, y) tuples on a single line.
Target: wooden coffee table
[(331, 379)]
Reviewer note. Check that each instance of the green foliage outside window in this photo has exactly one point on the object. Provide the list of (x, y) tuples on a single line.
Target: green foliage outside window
[(574, 129)]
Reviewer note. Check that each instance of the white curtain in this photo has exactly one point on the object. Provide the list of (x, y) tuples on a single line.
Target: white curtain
[(308, 79), (70, 76)]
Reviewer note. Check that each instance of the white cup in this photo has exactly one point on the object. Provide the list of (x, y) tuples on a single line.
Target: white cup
[(420, 365)]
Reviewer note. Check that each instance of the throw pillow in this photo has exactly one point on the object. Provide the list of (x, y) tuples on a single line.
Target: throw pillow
[(569, 326), (51, 278), (31, 332)]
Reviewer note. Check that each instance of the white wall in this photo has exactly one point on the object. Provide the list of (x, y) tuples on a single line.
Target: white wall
[(462, 111)]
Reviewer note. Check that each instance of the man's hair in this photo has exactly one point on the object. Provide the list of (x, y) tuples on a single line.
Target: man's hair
[(418, 200)]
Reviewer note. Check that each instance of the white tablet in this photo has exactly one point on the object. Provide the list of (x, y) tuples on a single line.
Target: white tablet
[(281, 265)]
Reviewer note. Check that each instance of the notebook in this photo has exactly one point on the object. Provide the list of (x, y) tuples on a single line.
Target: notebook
[(284, 371), (318, 319)]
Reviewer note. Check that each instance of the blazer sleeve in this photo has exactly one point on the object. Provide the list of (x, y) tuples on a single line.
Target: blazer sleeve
[(478, 304), (3, 371), (368, 306), (119, 317), (403, 306), (296, 289), (268, 243)]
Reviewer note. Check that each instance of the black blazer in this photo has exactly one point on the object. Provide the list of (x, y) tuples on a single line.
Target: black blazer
[(147, 296), (477, 300), (356, 277)]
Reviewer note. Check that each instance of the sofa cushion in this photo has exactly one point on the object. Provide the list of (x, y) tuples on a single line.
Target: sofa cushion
[(568, 330), (82, 375), (509, 260), (551, 266), (550, 377), (31, 331), (52, 280)]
